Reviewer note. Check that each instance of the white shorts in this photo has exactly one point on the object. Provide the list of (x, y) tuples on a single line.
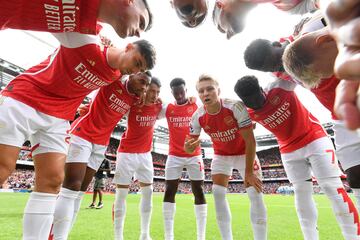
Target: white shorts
[(129, 165), (347, 145), (318, 157), (175, 165), (225, 165), (20, 122), (83, 151)]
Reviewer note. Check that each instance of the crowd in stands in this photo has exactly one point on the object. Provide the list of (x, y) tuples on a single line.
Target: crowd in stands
[(274, 173), (269, 156), (159, 159), (24, 179)]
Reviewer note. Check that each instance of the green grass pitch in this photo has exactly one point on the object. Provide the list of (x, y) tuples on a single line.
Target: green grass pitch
[(97, 224)]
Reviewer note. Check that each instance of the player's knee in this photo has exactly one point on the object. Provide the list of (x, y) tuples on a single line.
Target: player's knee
[(353, 176), (72, 184), (5, 171), (51, 183), (198, 192)]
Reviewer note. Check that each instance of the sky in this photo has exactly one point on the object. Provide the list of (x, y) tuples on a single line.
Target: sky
[(181, 51)]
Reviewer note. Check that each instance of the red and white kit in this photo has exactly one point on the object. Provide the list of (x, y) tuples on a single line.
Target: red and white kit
[(223, 129), (303, 143), (178, 118), (134, 152), (50, 15), (38, 103), (90, 134)]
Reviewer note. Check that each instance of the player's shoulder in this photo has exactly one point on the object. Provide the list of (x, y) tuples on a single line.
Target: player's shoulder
[(278, 83), (199, 112), (233, 104)]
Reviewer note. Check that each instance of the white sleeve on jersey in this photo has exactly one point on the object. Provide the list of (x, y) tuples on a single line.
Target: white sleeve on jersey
[(304, 7), (241, 114), (195, 128), (279, 83), (162, 113), (75, 40)]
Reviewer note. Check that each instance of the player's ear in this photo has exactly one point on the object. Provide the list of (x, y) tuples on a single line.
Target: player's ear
[(220, 4), (324, 38), (129, 47)]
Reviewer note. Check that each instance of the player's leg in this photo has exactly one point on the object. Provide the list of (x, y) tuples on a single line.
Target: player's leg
[(353, 178), (195, 168), (298, 171), (8, 156), (49, 153), (258, 215), (14, 130), (221, 170), (75, 168), (40, 208), (124, 171), (348, 152), (325, 168), (173, 169), (145, 174)]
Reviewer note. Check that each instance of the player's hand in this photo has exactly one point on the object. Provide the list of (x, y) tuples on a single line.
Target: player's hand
[(252, 180), (191, 144), (344, 19), (192, 100), (83, 109), (159, 100), (347, 103)]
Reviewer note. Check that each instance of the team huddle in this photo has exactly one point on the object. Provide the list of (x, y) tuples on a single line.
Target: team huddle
[(38, 105)]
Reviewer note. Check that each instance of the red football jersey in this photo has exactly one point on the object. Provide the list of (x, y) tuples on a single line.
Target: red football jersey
[(140, 128), (58, 85), (111, 103), (178, 118), (325, 92), (50, 15), (284, 115), (223, 127)]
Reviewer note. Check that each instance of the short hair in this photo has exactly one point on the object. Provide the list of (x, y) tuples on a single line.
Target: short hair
[(297, 61), (247, 86), (256, 53), (147, 50), (205, 77), (150, 15), (156, 81), (177, 82), (148, 73)]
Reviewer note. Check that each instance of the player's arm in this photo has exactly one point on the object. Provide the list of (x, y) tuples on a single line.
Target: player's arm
[(250, 151), (246, 130), (192, 141), (75, 40)]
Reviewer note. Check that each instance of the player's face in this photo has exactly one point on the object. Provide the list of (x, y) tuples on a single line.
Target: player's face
[(273, 62), (179, 93), (133, 18), (229, 16), (138, 84), (152, 93), (208, 92), (190, 12), (132, 61)]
